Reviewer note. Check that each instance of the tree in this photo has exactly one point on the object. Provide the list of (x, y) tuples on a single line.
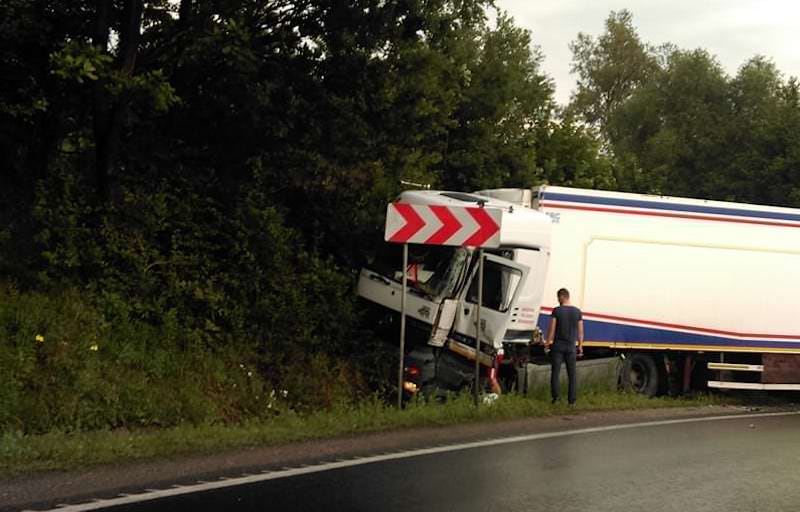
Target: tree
[(757, 164), (676, 127), (570, 155), (507, 99), (609, 69)]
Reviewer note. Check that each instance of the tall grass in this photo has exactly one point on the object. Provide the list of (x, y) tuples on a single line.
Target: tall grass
[(67, 364)]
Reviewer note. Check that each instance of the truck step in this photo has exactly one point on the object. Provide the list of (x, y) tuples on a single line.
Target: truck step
[(753, 385), (736, 367)]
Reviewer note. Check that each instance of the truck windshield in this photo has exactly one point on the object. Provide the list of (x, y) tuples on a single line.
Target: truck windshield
[(434, 270)]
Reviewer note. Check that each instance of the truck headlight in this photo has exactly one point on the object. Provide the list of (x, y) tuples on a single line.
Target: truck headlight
[(410, 387)]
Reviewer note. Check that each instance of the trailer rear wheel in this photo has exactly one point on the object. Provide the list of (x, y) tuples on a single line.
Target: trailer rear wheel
[(640, 374)]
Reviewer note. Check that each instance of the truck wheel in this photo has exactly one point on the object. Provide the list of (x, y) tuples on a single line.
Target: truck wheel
[(640, 374)]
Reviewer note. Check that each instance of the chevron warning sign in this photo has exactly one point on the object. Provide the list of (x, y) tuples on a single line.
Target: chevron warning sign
[(443, 225)]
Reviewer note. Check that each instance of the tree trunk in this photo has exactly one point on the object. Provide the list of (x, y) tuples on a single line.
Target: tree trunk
[(102, 101), (185, 14), (108, 113)]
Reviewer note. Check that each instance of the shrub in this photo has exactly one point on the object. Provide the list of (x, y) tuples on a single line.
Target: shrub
[(67, 365)]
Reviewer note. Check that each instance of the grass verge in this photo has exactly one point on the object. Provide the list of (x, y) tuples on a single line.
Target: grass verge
[(21, 454)]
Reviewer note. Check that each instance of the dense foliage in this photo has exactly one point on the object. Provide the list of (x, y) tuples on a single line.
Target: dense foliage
[(188, 188)]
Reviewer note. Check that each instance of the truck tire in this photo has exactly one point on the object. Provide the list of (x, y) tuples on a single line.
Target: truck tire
[(640, 374)]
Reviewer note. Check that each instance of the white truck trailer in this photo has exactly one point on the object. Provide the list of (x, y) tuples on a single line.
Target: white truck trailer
[(691, 292), (672, 282)]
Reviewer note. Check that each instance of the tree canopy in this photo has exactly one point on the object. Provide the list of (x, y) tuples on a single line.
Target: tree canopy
[(676, 123)]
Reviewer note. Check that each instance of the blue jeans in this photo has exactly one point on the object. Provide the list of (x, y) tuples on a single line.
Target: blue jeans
[(559, 354)]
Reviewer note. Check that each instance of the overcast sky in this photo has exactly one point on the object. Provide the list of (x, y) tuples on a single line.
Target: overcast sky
[(732, 30)]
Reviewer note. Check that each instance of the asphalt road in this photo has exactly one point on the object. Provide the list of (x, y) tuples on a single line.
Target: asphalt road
[(741, 464)]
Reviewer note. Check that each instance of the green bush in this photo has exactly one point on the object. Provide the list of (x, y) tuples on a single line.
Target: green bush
[(68, 365), (198, 313)]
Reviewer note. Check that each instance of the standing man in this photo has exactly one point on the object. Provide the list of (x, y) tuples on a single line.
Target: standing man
[(566, 329)]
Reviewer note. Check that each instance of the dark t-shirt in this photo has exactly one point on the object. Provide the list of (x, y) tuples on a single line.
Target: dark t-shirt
[(567, 318)]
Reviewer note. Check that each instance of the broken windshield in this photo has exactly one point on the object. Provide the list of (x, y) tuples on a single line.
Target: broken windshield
[(434, 270)]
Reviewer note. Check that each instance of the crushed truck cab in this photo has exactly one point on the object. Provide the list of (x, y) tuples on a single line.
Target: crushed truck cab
[(443, 294)]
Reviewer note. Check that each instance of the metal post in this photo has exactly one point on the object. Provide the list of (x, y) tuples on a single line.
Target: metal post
[(402, 329), (478, 326)]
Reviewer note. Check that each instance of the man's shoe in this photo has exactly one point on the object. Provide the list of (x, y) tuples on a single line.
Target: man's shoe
[(572, 405), (553, 401)]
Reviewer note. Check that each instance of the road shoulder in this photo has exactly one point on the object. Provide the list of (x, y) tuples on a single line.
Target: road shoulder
[(53, 488)]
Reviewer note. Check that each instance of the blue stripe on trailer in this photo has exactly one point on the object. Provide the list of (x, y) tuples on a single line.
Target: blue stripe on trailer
[(656, 205)]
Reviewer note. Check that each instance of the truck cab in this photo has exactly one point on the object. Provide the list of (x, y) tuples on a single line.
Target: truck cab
[(442, 297)]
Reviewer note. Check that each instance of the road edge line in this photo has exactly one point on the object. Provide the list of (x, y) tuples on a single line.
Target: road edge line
[(328, 466)]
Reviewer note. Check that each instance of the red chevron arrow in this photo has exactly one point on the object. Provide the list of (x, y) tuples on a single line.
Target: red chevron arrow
[(413, 223), (487, 227), (450, 225)]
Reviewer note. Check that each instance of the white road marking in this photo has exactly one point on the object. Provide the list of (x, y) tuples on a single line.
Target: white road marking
[(327, 466)]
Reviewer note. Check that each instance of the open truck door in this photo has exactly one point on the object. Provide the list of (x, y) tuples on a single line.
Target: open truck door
[(503, 281)]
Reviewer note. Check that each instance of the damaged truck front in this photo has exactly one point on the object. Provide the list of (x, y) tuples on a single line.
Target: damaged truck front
[(442, 298)]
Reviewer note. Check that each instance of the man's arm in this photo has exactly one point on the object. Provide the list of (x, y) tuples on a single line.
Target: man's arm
[(551, 332), (580, 337)]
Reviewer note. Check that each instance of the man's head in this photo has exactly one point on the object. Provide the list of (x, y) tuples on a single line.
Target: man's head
[(563, 296)]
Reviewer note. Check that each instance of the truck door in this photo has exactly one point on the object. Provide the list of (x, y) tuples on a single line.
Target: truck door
[(503, 280)]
